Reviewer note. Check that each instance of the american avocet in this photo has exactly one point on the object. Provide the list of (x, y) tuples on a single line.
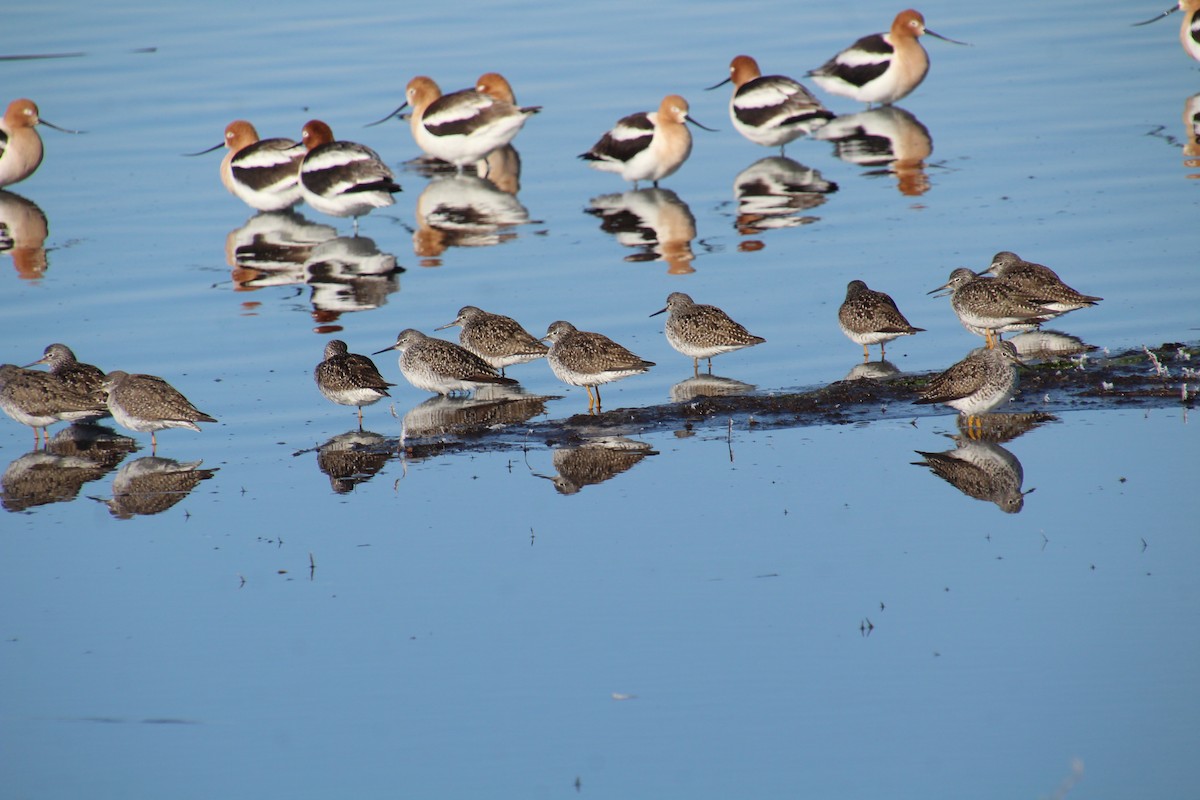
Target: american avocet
[(38, 399), (497, 339), (701, 331), (869, 317), (441, 367), (882, 67), (147, 404), (583, 358), (20, 145), (349, 379), (1189, 30), (771, 110), (502, 166), (464, 126), (989, 307), (1039, 282), (262, 173), (647, 145), (343, 179), (982, 381)]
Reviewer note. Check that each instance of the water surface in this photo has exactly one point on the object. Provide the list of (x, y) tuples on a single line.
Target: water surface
[(762, 609)]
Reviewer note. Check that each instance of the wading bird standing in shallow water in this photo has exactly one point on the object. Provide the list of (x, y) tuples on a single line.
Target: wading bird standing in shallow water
[(700, 331), (1039, 282), (497, 339), (464, 126), (868, 317), (349, 379), (882, 67), (147, 403), (646, 146), (1189, 30), (38, 399), (20, 146), (343, 179), (262, 173), (771, 110), (442, 367), (989, 307), (983, 380), (583, 358)]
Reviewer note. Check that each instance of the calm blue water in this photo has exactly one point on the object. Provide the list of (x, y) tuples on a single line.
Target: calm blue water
[(696, 624)]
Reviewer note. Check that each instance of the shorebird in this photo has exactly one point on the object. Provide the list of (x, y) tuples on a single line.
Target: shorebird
[(646, 145), (1189, 30), (983, 380), (882, 67), (497, 339), (81, 378), (989, 307), (1039, 282), (262, 173), (343, 179), (441, 367), (147, 403), (20, 146), (869, 317), (349, 379), (38, 399), (583, 358), (771, 110), (701, 331), (464, 126)]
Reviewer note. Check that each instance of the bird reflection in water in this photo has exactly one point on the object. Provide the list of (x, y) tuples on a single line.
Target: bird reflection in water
[(773, 192), (1191, 126), (595, 461), (464, 211), (654, 221), (352, 458), (151, 485), (708, 385), (491, 407), (283, 248), (887, 137), (74, 456), (1046, 345), (881, 370), (23, 231), (979, 467)]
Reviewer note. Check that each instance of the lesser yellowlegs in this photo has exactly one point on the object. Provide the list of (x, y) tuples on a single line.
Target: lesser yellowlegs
[(147, 403), (441, 367), (869, 317), (497, 339), (349, 379), (583, 358), (38, 399), (1039, 282), (983, 380), (701, 331), (84, 379), (989, 307)]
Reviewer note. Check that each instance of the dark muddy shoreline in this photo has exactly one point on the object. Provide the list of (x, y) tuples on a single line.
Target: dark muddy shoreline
[(1129, 379)]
